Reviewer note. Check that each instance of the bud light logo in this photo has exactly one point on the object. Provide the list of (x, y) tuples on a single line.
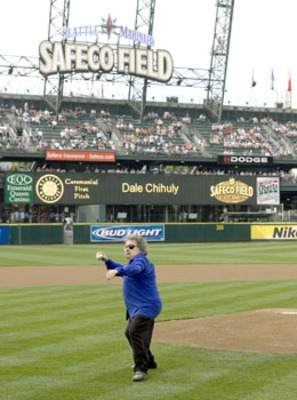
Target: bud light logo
[(117, 233)]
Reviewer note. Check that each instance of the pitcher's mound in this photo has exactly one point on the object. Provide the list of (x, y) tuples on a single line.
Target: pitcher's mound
[(261, 331)]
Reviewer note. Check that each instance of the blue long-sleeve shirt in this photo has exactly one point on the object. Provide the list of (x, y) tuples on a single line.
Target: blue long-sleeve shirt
[(140, 290)]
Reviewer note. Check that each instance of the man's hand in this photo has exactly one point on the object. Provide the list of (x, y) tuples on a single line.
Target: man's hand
[(111, 273), (100, 255)]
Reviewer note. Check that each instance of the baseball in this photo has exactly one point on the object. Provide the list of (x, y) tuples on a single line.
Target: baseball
[(99, 255)]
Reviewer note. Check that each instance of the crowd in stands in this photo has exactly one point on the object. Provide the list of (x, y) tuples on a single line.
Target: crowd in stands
[(166, 134), (285, 176), (78, 130), (71, 130), (288, 130), (5, 137), (246, 139)]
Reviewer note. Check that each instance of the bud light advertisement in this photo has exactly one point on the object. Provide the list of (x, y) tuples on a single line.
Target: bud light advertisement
[(117, 233)]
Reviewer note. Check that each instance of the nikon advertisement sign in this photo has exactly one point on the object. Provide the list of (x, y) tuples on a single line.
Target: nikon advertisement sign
[(274, 232), (91, 188), (19, 188)]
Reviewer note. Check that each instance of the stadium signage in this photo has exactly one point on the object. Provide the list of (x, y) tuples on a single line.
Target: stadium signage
[(285, 232), (20, 179), (19, 188), (137, 36), (108, 233), (231, 191), (60, 57), (69, 155), (150, 188), (274, 232), (93, 30), (49, 188), (53, 188), (71, 188), (245, 160), (268, 190)]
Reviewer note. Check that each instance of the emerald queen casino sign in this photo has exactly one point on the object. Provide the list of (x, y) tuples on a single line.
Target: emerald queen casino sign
[(62, 56)]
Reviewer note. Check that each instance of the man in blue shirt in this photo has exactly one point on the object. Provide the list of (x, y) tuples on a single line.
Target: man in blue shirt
[(142, 301)]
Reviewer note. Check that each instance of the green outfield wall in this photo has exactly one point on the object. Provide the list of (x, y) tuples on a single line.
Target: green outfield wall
[(36, 234), (187, 232), (194, 232), (208, 232)]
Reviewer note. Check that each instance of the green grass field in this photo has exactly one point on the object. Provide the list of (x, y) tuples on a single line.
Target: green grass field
[(160, 253), (67, 342)]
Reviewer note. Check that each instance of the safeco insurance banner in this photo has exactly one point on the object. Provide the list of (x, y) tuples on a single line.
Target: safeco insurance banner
[(274, 232), (111, 233)]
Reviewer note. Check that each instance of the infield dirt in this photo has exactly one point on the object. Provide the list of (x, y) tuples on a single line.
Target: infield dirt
[(269, 330)]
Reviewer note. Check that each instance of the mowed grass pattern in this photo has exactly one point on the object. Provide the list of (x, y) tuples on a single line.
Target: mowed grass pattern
[(160, 253), (67, 342)]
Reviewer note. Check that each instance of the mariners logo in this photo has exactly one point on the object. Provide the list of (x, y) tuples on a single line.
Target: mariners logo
[(49, 188), (108, 25)]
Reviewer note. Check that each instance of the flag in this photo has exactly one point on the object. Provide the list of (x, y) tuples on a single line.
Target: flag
[(272, 80), (289, 93), (289, 84), (254, 83)]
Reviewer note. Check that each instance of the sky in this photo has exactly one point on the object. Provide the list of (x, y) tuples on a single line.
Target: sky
[(262, 40)]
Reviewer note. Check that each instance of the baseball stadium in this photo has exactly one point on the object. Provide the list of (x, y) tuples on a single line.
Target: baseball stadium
[(210, 185)]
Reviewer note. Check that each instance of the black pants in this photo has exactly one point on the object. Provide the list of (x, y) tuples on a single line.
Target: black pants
[(139, 333)]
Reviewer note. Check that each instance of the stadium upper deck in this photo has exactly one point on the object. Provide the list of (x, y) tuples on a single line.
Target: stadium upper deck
[(172, 135), (171, 139), (27, 130)]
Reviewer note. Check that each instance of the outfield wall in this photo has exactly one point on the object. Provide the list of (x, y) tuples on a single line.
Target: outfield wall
[(35, 233), (187, 232)]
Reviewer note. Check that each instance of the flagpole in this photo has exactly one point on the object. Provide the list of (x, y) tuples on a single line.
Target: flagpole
[(253, 84), (272, 86), (289, 91)]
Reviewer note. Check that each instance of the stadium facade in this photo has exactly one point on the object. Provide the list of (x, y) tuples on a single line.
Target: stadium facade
[(117, 184)]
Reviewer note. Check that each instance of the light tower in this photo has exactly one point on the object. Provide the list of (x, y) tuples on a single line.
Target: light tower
[(58, 19), (143, 22), (219, 58)]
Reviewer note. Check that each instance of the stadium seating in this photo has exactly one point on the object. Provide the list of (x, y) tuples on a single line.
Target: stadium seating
[(78, 130)]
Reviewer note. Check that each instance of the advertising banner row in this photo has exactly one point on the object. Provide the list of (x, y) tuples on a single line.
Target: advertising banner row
[(91, 188), (194, 232), (116, 233)]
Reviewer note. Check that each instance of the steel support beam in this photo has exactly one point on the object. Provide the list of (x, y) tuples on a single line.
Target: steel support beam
[(58, 18), (144, 22), (212, 80), (219, 58)]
